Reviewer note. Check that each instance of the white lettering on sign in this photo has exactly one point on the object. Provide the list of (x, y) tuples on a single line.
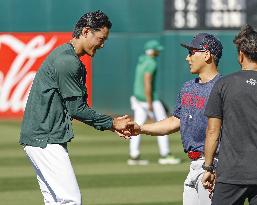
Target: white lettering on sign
[(16, 83)]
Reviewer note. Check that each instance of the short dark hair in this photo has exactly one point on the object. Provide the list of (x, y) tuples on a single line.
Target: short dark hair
[(94, 20), (246, 42)]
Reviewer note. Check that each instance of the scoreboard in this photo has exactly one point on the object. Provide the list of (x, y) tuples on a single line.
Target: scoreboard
[(209, 14)]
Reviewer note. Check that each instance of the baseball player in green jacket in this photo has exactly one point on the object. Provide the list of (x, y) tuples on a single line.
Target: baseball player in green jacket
[(57, 96)]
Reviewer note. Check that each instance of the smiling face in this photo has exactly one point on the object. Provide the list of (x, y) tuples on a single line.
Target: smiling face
[(197, 60), (94, 39)]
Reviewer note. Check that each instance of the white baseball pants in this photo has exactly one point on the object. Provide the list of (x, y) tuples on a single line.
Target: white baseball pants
[(55, 174), (194, 192), (141, 113)]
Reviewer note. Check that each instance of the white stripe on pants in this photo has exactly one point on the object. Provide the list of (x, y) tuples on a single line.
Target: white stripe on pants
[(140, 116), (55, 174)]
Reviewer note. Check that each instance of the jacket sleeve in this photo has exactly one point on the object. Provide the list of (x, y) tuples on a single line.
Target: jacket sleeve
[(68, 76), (79, 110)]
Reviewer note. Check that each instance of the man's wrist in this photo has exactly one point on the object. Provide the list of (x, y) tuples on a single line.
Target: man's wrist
[(113, 124), (208, 168), (140, 131)]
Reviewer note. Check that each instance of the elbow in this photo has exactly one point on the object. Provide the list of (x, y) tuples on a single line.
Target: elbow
[(73, 113)]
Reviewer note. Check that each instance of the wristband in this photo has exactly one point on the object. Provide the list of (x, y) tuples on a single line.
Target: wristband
[(209, 168)]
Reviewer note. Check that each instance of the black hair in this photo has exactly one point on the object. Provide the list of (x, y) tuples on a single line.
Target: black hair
[(246, 42), (94, 20)]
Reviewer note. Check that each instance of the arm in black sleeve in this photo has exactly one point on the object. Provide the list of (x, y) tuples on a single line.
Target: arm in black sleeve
[(79, 110)]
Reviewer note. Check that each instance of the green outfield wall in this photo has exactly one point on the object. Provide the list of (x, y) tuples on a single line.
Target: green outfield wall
[(134, 22)]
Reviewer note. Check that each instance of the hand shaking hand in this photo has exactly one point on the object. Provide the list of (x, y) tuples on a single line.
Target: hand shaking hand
[(125, 127)]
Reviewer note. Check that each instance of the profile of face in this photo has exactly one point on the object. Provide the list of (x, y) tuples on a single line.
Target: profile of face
[(152, 52), (156, 53), (94, 39), (197, 60)]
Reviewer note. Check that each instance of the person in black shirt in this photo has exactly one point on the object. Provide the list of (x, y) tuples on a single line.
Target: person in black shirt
[(232, 120)]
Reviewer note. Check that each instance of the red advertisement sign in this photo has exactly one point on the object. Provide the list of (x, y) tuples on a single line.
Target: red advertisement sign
[(21, 55)]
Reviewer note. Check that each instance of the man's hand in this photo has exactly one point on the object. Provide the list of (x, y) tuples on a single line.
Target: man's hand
[(208, 182), (125, 127), (121, 123), (134, 128)]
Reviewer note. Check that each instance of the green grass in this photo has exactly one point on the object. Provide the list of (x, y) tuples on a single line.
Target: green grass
[(99, 160)]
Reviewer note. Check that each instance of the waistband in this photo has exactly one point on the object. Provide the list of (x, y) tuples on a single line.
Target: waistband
[(195, 155)]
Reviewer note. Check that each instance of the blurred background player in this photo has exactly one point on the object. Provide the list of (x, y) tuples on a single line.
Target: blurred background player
[(145, 103)]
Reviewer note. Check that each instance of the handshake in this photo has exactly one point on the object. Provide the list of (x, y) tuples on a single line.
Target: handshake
[(125, 127)]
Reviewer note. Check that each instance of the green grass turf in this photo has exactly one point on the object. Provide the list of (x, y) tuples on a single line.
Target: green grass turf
[(99, 160)]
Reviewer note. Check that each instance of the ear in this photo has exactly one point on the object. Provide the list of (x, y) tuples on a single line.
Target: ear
[(85, 31), (240, 57), (207, 56)]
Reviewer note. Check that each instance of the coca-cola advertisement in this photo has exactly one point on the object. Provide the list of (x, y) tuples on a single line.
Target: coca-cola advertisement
[(21, 55)]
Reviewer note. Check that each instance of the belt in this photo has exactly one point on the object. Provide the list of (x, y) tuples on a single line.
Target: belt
[(194, 155)]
